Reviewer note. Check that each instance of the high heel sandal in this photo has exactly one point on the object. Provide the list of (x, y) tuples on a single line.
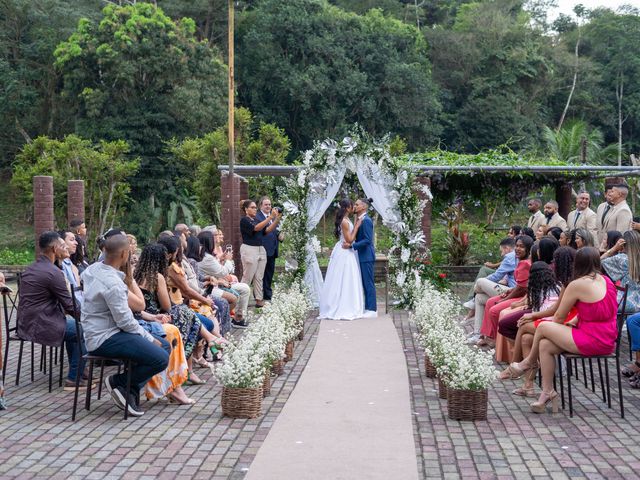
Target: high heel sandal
[(541, 407), (174, 400), (528, 379), (191, 381)]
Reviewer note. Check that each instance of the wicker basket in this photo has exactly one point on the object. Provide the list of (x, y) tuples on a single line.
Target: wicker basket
[(241, 402), (301, 335), (266, 385), (467, 404), (278, 367), (442, 389), (429, 369), (288, 351)]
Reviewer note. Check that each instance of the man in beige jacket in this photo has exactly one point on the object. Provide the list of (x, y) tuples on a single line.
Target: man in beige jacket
[(537, 217), (583, 216), (614, 214), (552, 217)]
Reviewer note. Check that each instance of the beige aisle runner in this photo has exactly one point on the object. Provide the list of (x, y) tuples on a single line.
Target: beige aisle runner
[(349, 416)]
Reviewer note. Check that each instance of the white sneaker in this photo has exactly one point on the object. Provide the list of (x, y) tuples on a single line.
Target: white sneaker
[(470, 304), (370, 314), (473, 338)]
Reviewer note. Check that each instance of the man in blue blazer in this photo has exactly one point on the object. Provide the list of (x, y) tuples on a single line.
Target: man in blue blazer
[(270, 242), (363, 244)]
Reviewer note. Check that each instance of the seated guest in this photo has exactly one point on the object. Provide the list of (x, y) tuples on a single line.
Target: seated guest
[(565, 239), (44, 300), (224, 300), (510, 320), (542, 294), (71, 272), (611, 238), (592, 332), (540, 232), (555, 232), (150, 276), (218, 237), (79, 229), (194, 230), (111, 330), (529, 232), (183, 229), (544, 250), (488, 287), (553, 218), (497, 304), (583, 217), (622, 264), (514, 231), (220, 268), (583, 238)]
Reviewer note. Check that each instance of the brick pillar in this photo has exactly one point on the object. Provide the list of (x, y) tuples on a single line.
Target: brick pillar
[(231, 213), (75, 200), (43, 219), (564, 198), (426, 213)]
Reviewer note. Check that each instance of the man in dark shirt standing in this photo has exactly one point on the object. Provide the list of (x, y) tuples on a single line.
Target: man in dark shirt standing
[(44, 301)]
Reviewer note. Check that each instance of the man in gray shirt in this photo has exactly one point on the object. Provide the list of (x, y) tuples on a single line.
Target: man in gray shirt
[(111, 330)]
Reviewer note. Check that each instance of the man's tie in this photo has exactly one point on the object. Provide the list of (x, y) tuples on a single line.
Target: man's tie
[(575, 221), (604, 214)]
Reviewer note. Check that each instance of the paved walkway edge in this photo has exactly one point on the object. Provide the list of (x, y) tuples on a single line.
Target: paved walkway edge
[(350, 413)]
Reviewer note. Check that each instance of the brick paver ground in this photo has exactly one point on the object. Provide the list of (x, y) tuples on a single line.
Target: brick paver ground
[(595, 443), (38, 439)]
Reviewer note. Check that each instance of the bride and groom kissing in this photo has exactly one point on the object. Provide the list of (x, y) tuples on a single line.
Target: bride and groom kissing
[(349, 291)]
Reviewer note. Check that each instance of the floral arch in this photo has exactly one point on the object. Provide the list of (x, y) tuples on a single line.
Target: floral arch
[(389, 180)]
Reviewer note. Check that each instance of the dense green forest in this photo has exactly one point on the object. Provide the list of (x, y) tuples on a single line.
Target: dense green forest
[(457, 75)]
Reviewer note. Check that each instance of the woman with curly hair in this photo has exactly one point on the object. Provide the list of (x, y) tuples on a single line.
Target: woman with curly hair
[(150, 275), (543, 292), (169, 382)]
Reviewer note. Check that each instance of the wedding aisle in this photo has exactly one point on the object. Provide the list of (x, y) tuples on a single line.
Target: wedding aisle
[(349, 416)]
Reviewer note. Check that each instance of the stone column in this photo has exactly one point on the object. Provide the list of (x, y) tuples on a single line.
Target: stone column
[(564, 198), (43, 218), (426, 213), (231, 213), (75, 200)]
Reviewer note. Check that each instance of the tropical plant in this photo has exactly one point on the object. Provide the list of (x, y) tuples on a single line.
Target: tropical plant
[(575, 142), (457, 240)]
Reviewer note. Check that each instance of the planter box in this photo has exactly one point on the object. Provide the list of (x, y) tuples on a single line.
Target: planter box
[(467, 404), (241, 402)]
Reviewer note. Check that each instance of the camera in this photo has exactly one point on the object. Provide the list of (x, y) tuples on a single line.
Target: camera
[(278, 209)]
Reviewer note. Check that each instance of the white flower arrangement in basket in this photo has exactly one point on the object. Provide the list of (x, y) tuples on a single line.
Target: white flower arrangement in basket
[(247, 361), (457, 364), (243, 365)]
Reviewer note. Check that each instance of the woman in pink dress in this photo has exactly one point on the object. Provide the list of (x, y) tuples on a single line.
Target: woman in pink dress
[(592, 332)]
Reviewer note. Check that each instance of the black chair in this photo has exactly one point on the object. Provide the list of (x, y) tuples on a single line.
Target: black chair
[(571, 361), (91, 359), (10, 305)]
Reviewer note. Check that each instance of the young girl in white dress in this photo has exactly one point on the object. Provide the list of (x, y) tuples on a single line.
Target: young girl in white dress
[(342, 295)]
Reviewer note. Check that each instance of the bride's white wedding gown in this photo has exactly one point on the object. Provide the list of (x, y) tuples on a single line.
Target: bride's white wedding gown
[(342, 295)]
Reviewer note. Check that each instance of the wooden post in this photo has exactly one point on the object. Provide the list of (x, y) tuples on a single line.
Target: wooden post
[(233, 188), (232, 145)]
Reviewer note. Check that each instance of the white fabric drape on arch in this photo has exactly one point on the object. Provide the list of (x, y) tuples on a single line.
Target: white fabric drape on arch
[(317, 204), (377, 187)]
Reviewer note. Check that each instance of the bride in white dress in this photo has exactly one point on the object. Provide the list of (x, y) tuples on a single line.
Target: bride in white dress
[(342, 295)]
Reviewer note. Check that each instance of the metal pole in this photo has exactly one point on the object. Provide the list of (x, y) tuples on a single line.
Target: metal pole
[(232, 146)]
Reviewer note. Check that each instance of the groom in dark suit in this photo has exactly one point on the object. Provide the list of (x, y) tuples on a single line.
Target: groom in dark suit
[(363, 244)]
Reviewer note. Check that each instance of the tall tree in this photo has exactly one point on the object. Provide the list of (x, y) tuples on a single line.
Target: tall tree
[(140, 76), (319, 69), (612, 42)]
